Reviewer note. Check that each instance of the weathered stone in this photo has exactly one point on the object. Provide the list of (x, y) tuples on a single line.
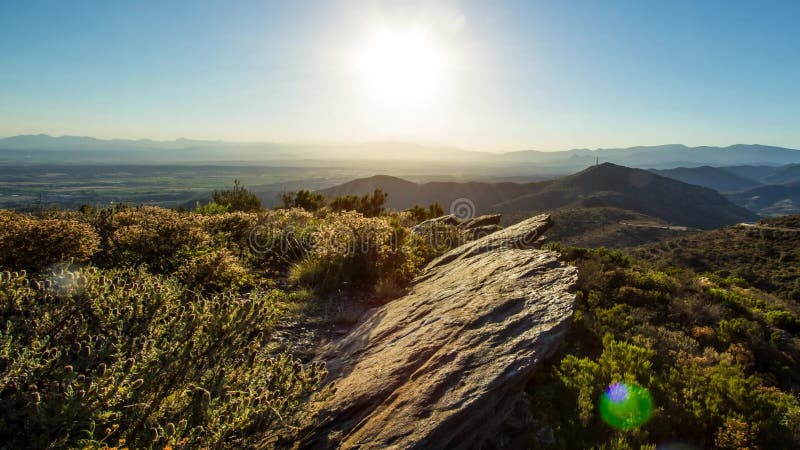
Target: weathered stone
[(443, 366), (479, 232), (449, 219), (481, 221)]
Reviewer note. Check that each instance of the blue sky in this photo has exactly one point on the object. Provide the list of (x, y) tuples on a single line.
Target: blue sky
[(527, 74)]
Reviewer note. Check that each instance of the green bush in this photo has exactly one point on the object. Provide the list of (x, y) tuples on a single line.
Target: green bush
[(210, 209), (420, 213), (214, 270), (665, 331), (370, 205), (303, 199), (152, 236), (351, 251), (783, 319), (237, 199)]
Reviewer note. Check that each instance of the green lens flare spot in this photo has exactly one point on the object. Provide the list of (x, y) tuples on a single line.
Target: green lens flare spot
[(625, 406)]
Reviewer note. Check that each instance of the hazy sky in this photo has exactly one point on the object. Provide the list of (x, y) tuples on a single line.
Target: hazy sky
[(488, 75)]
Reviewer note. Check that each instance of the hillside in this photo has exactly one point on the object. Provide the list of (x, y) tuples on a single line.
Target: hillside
[(775, 200), (635, 190), (715, 178), (605, 185), (608, 227), (766, 255), (784, 175), (767, 174), (405, 194)]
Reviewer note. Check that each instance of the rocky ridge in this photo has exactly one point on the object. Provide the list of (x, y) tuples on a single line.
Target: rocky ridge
[(443, 366)]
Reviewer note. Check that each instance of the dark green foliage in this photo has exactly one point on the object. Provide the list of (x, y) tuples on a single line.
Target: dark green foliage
[(767, 258), (370, 205), (303, 199), (785, 320), (716, 358), (237, 199), (606, 227), (420, 213)]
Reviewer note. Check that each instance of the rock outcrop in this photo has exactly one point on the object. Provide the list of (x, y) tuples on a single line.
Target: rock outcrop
[(443, 366), (441, 221), (471, 229), (481, 226)]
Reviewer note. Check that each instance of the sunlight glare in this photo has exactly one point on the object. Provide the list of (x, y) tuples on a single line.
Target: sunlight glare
[(400, 68)]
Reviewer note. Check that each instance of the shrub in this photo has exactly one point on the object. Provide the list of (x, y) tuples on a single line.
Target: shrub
[(783, 319), (35, 244), (232, 231), (282, 237), (420, 213), (152, 236), (237, 199), (94, 358), (210, 209), (665, 331), (214, 270), (440, 238), (370, 205), (737, 300), (739, 328), (303, 199), (350, 251)]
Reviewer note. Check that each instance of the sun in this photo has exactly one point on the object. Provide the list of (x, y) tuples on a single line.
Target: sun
[(400, 68)]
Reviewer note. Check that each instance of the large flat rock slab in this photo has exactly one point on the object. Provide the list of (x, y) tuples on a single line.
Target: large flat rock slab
[(442, 366)]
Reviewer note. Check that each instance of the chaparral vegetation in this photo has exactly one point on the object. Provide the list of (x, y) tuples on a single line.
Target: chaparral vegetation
[(143, 327)]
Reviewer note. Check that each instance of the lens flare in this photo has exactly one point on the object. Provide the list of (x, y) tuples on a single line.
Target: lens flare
[(625, 406)]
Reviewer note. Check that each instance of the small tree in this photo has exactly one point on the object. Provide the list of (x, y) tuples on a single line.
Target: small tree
[(238, 199), (305, 199), (346, 203), (370, 205), (420, 213)]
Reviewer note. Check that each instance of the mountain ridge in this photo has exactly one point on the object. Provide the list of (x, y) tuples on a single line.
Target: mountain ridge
[(657, 156), (605, 185), (717, 178)]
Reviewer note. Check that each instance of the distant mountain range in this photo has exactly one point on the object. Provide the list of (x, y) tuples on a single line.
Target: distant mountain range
[(47, 149), (772, 200), (768, 191), (42, 148), (604, 185), (716, 178)]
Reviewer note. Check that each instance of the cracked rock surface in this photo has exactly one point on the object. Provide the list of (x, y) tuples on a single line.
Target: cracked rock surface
[(442, 366)]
